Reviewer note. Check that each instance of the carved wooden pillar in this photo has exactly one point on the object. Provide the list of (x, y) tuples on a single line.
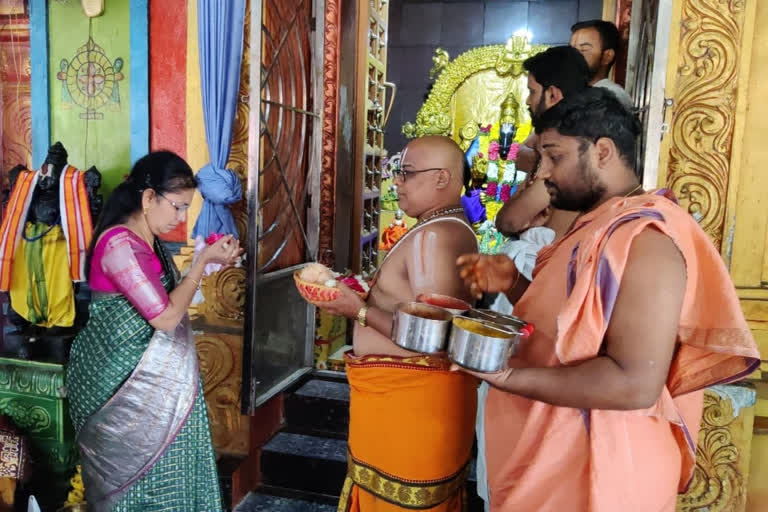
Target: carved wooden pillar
[(330, 131), (722, 462), (709, 85)]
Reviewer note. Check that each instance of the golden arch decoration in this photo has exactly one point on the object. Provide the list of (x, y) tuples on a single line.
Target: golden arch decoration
[(500, 64)]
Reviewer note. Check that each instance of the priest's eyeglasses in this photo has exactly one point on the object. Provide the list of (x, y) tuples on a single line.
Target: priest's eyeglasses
[(404, 173)]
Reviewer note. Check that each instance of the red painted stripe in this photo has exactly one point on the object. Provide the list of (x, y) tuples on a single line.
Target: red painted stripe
[(168, 83)]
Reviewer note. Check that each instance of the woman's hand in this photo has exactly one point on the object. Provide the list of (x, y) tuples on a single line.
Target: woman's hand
[(486, 273), (223, 251), (348, 304)]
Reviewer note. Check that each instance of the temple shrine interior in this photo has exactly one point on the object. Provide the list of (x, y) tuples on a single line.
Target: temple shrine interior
[(294, 115)]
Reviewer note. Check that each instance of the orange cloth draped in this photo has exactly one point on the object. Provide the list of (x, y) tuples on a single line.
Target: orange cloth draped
[(542, 457), (75, 214), (411, 430)]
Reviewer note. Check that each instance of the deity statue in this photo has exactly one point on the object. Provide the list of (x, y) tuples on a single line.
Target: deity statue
[(490, 156), (394, 232), (44, 238)]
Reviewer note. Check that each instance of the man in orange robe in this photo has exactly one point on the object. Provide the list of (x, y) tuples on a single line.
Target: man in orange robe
[(635, 315), (411, 419)]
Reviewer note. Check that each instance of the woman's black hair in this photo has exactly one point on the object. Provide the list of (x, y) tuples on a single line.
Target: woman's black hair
[(162, 171)]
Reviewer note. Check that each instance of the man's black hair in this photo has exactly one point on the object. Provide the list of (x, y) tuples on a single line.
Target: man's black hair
[(561, 66), (592, 114), (609, 34)]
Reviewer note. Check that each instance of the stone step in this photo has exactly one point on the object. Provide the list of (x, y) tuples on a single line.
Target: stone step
[(305, 463), (319, 408), (260, 502)]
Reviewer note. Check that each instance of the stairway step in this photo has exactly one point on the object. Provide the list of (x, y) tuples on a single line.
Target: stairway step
[(305, 463), (258, 502), (319, 408)]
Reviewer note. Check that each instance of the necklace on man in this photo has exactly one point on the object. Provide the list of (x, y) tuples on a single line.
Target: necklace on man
[(442, 212), (638, 187)]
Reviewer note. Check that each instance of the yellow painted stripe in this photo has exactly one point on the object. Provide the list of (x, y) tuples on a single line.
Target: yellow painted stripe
[(197, 147)]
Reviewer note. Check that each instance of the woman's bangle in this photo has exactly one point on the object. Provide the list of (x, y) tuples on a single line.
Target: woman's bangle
[(197, 283)]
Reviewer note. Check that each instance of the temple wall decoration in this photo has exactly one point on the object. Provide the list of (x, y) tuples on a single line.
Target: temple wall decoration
[(168, 84), (15, 77), (330, 131), (713, 158), (703, 123), (98, 87), (722, 466)]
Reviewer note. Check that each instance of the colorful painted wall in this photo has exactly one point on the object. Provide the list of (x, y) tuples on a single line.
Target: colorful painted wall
[(15, 77), (90, 94)]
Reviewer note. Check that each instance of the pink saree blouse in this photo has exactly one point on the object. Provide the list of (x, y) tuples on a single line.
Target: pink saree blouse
[(124, 263)]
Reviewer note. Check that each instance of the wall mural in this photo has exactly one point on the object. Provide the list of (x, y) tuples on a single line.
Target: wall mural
[(91, 81), (98, 99)]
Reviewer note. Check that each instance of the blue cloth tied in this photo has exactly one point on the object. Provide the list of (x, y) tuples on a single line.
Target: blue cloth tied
[(220, 39), (219, 188)]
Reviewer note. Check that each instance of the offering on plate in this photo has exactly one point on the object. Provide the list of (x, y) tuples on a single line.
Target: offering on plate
[(318, 283)]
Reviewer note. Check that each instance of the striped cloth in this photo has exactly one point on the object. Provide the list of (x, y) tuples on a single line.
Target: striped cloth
[(76, 220)]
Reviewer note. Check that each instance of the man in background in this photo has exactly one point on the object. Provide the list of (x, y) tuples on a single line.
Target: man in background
[(598, 41)]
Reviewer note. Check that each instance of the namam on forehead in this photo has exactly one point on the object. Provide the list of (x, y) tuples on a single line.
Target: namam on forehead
[(433, 151)]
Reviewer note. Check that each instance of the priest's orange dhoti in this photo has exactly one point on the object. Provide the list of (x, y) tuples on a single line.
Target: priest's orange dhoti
[(547, 458), (410, 434)]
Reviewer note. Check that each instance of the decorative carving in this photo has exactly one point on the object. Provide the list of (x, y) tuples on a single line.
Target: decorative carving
[(224, 294), (439, 61), (330, 126), (221, 369), (238, 151), (705, 97), (30, 418), (33, 381), (719, 479), (434, 117)]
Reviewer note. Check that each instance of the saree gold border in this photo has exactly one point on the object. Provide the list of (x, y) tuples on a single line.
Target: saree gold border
[(409, 495)]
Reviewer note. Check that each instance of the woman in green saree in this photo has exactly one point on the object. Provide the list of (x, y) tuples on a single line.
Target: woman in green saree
[(133, 381)]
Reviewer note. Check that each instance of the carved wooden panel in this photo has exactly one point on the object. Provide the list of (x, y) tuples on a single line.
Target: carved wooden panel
[(221, 365), (330, 130), (703, 122), (238, 152), (224, 294), (723, 452)]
